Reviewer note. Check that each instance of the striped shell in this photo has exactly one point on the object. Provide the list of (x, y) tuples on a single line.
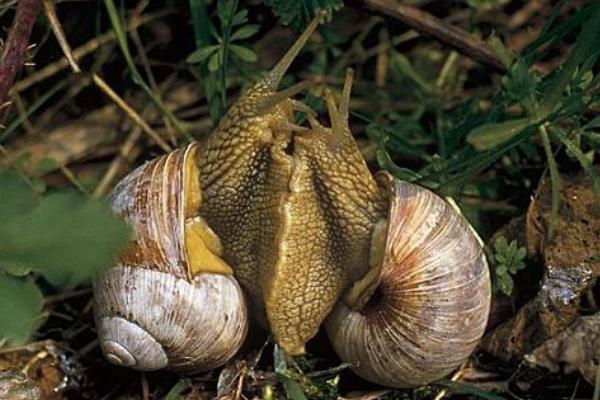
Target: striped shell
[(432, 303), (150, 310)]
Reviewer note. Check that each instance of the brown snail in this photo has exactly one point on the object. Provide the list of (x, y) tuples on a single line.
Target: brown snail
[(311, 235), (171, 301)]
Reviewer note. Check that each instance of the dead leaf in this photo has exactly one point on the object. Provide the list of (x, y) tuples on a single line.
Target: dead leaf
[(577, 348), (17, 386), (577, 230), (570, 262)]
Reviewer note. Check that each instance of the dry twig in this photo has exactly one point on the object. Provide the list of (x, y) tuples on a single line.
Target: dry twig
[(428, 24), (50, 13), (102, 85)]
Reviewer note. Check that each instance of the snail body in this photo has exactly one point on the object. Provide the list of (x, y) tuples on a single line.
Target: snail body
[(170, 302), (295, 216)]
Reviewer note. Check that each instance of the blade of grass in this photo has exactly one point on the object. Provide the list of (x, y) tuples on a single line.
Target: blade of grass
[(181, 386), (410, 149), (135, 74), (292, 388), (582, 50), (467, 166), (82, 51), (200, 22), (102, 85), (50, 13), (34, 107), (551, 34)]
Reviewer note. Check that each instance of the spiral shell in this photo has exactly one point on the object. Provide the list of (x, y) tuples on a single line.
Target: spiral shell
[(155, 309), (431, 306)]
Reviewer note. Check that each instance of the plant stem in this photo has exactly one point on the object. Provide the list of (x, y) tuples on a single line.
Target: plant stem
[(15, 48), (554, 180)]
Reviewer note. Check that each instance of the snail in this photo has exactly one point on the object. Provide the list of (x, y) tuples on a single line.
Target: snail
[(171, 301), (293, 214), (420, 308)]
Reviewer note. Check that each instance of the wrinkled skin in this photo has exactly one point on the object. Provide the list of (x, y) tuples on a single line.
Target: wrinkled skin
[(294, 208)]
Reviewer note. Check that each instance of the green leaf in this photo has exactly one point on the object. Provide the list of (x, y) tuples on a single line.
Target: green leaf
[(225, 11), (214, 62), (521, 253), (202, 54), (500, 244), (21, 305), (512, 248), (501, 50), (401, 65), (585, 163), (500, 258), (244, 53), (293, 389), (200, 22), (487, 136), (501, 269), (516, 266), (240, 17), (593, 124), (521, 85), (245, 32), (505, 284), (67, 238), (17, 197)]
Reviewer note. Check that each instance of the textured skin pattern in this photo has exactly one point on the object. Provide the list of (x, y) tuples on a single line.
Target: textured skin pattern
[(294, 212), (328, 217), (244, 178), (433, 300)]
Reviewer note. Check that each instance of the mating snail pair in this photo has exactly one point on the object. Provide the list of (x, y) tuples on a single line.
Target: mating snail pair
[(294, 215)]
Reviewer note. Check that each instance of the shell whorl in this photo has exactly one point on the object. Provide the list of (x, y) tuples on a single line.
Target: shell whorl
[(433, 300), (198, 325), (152, 201), (152, 311)]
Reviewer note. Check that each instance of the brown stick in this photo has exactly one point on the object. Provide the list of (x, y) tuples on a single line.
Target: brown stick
[(428, 24), (15, 48), (59, 34)]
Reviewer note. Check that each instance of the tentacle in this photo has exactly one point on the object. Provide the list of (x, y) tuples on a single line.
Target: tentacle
[(274, 77), (343, 110), (265, 104)]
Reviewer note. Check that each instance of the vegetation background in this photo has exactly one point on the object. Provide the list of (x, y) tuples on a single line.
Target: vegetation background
[(492, 102)]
